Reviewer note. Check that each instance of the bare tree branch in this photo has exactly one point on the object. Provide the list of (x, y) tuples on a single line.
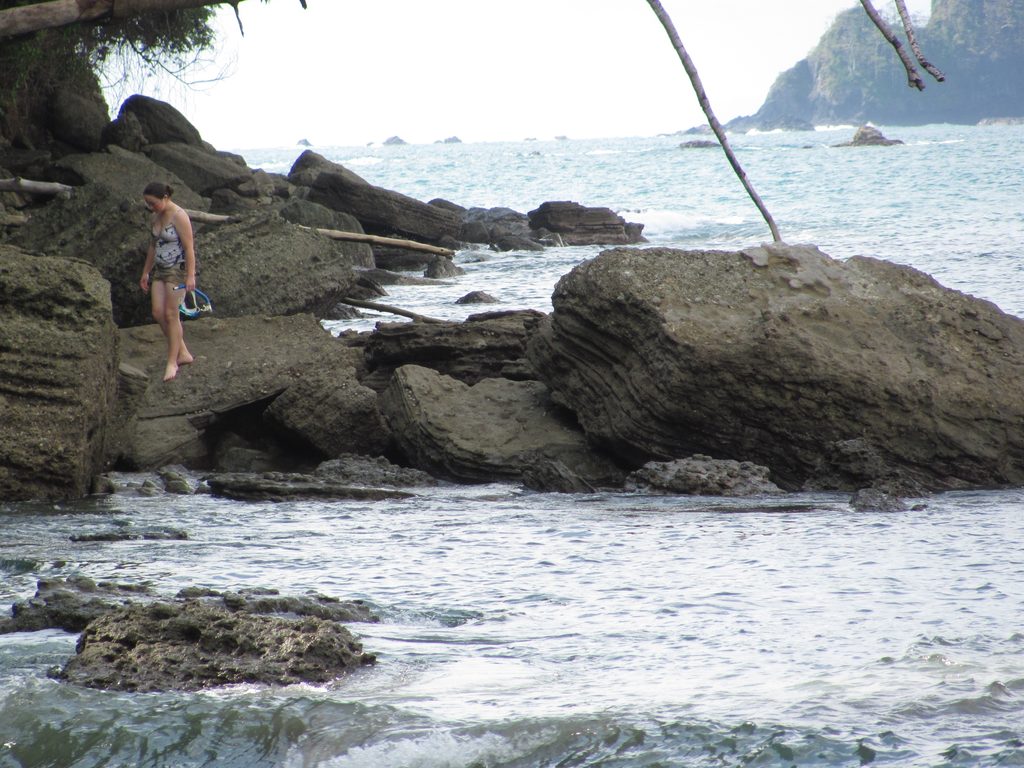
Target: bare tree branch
[(908, 27), (705, 105), (914, 79)]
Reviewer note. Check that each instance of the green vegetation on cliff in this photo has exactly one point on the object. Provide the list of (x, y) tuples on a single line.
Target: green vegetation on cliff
[(38, 71), (854, 76)]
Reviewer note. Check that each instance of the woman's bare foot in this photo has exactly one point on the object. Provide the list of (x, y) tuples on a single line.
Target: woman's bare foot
[(171, 371), (185, 358)]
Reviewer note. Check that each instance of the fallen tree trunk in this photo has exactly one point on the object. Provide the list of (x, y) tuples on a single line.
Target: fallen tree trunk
[(359, 237), (209, 218), (336, 234), (18, 184), (389, 309)]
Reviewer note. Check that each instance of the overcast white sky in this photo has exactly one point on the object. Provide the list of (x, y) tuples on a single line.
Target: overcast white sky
[(353, 72)]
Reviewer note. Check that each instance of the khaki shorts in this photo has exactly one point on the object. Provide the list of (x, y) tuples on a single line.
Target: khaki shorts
[(174, 275)]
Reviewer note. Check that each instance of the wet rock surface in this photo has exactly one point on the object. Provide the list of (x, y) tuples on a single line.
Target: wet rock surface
[(704, 476), (193, 645)]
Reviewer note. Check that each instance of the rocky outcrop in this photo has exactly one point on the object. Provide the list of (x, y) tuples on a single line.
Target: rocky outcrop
[(869, 136), (77, 119), (71, 604), (486, 345), (58, 376), (852, 76), (151, 121), (192, 646), (261, 264), (243, 365), (835, 375), (68, 604), (580, 225), (133, 640), (281, 486), (202, 170), (701, 475), (495, 430), (380, 211), (240, 263)]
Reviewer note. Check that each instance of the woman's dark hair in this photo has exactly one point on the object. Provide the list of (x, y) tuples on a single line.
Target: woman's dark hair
[(158, 189)]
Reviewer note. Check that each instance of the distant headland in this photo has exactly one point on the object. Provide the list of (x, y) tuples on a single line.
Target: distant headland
[(851, 77)]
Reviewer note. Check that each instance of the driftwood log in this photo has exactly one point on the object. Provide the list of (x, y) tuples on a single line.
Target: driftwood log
[(396, 242), (18, 184), (389, 309), (335, 234)]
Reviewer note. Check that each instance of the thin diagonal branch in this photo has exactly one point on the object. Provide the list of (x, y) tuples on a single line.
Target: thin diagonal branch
[(705, 105), (914, 79), (908, 27)]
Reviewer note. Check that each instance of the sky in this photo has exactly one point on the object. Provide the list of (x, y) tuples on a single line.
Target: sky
[(356, 72)]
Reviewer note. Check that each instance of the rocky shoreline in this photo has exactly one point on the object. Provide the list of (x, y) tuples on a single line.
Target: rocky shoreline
[(761, 371), (839, 376)]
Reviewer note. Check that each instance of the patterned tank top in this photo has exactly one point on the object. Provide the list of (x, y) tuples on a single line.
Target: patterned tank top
[(169, 251)]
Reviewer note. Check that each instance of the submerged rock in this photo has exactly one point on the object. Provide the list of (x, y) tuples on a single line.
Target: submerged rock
[(702, 475), (68, 604), (192, 645), (285, 486), (869, 136)]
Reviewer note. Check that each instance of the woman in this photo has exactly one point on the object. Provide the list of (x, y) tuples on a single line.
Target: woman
[(171, 258)]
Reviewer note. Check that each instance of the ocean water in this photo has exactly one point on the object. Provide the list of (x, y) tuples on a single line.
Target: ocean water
[(522, 629)]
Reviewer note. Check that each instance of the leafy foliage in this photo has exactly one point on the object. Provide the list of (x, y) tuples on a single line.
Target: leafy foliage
[(34, 66)]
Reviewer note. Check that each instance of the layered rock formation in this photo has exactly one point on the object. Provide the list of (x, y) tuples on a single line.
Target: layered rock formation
[(834, 375), (58, 375)]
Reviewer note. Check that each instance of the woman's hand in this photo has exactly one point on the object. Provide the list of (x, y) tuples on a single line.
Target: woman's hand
[(144, 283), (190, 283)]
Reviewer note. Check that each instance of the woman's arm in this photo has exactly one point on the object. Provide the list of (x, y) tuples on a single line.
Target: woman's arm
[(148, 266), (184, 226)]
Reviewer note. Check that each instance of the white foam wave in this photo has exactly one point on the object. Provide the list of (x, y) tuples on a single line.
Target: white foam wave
[(437, 749), (835, 127), (662, 221), (364, 161)]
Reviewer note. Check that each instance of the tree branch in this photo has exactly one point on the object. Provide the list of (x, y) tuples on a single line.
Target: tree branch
[(914, 79), (705, 105), (388, 308), (908, 27)]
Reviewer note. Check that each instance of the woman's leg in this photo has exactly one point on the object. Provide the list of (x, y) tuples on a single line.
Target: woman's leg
[(170, 324)]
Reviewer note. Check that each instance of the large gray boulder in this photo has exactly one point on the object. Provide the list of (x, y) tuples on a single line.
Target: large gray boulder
[(242, 365), (496, 430), (58, 376), (262, 264), (203, 170), (380, 211), (153, 122), (581, 225), (835, 375), (77, 119), (124, 174)]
